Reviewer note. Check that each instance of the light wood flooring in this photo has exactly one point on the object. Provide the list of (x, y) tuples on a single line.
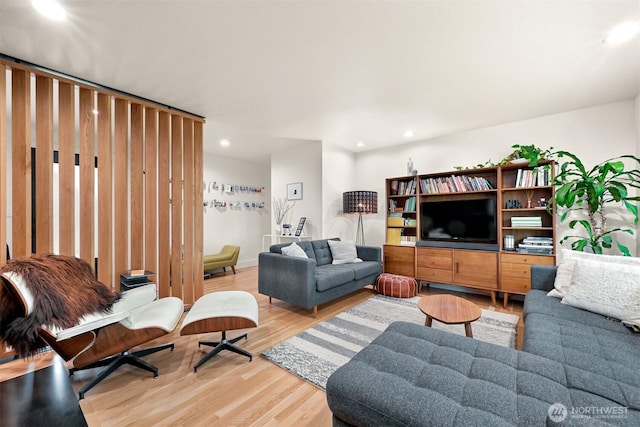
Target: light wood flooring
[(228, 390)]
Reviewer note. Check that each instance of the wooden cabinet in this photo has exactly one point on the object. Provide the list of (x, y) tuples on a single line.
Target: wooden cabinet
[(515, 272), (399, 260), (518, 194), (470, 268)]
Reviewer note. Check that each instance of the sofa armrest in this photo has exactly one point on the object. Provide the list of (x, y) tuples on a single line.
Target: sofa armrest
[(369, 253), (543, 277), (287, 278)]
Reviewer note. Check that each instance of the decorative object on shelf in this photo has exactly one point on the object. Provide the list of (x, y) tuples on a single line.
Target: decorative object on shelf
[(286, 229), (300, 226), (280, 209), (529, 194), (410, 167), (294, 191), (360, 202), (527, 154), (509, 242), (587, 192)]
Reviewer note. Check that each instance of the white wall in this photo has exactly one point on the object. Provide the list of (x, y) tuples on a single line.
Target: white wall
[(301, 162), (338, 175), (230, 226), (594, 134)]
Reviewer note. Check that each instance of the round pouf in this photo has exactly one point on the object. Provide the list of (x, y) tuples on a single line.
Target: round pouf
[(394, 285)]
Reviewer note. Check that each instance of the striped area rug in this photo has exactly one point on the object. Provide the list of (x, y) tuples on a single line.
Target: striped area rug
[(317, 352)]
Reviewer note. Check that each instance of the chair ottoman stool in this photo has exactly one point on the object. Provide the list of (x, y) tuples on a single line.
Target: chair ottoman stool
[(221, 312), (395, 285)]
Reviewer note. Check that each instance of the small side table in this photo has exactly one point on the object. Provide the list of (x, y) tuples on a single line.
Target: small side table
[(451, 310), (281, 238)]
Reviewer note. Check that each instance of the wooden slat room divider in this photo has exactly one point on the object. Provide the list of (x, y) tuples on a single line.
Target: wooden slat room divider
[(126, 192)]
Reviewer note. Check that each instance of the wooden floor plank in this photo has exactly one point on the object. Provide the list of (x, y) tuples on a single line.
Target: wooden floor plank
[(228, 389)]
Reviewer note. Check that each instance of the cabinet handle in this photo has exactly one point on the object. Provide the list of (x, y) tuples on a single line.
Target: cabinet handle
[(456, 267)]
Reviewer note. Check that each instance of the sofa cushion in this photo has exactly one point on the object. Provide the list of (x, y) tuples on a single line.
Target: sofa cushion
[(567, 266), (362, 269), (538, 302), (322, 251), (294, 250), (305, 245), (343, 252), (328, 277), (596, 360), (604, 288)]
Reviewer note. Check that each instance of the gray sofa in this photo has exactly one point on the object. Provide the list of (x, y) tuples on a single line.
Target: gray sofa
[(308, 282), (416, 376)]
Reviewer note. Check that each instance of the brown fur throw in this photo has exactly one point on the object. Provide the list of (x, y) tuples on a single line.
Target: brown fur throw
[(64, 290)]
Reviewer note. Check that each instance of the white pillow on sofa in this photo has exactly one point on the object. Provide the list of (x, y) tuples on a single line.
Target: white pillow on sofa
[(606, 288), (294, 250), (343, 252), (566, 267)]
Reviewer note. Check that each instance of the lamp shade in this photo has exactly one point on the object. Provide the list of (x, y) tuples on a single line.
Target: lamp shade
[(365, 202)]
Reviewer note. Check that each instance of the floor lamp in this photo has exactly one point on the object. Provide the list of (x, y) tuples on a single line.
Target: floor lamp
[(360, 202)]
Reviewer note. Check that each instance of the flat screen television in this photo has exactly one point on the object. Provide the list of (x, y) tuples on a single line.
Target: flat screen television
[(459, 220)]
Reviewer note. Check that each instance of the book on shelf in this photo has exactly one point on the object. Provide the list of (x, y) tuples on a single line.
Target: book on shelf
[(395, 221), (535, 251), (454, 184), (408, 240), (393, 236), (410, 204), (526, 221), (536, 177), (402, 188)]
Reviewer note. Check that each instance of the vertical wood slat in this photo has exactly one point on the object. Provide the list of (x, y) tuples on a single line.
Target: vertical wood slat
[(3, 167), (120, 200), (164, 208), (198, 236), (105, 193), (44, 165), (150, 188), (176, 207), (66, 168), (21, 163), (188, 195), (136, 183), (87, 175), (4, 352)]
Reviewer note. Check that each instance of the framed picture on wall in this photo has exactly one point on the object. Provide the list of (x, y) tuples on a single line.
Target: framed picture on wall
[(294, 191)]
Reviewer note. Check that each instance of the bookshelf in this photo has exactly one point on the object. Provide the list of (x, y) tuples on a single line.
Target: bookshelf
[(526, 229)]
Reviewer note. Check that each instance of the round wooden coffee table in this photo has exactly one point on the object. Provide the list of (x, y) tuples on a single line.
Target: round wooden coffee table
[(451, 310)]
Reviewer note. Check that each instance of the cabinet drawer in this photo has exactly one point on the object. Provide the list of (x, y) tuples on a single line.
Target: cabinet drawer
[(435, 258), (435, 275), (399, 260), (515, 270), (518, 285), (527, 259)]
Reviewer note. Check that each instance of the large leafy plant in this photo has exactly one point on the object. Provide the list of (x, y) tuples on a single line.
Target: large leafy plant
[(590, 192)]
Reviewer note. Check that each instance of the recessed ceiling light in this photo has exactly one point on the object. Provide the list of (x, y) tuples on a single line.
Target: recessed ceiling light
[(360, 144), (50, 8), (622, 33), (225, 142), (409, 133)]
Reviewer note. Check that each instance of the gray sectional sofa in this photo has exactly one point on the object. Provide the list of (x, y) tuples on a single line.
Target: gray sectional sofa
[(308, 282), (576, 368)]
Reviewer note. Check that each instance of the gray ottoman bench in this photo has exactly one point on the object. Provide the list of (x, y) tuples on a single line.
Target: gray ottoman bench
[(416, 376)]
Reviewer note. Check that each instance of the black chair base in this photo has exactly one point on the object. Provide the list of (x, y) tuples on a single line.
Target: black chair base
[(114, 362), (223, 344)]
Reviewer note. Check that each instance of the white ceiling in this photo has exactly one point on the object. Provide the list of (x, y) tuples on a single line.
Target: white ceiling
[(266, 74)]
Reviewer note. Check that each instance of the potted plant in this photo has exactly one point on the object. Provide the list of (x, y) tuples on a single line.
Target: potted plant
[(530, 154), (590, 192)]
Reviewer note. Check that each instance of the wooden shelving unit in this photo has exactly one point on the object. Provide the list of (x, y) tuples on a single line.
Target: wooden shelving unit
[(521, 193)]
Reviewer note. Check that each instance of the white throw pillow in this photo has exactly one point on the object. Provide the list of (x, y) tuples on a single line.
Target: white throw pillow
[(294, 250), (565, 272), (606, 288), (343, 252)]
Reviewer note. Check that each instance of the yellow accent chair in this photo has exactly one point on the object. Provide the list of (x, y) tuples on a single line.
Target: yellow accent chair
[(228, 257)]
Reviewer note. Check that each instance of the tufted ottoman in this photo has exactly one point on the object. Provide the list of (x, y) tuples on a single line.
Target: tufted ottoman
[(394, 285), (221, 312)]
